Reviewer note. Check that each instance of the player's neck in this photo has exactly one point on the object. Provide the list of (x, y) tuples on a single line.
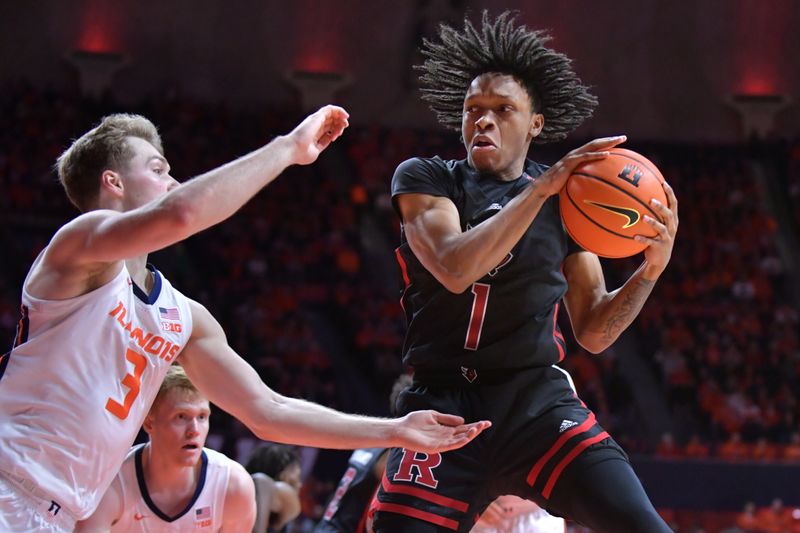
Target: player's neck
[(166, 478), (137, 267)]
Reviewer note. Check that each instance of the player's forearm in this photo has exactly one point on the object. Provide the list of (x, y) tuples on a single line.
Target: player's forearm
[(610, 317), (216, 195), (295, 421), (476, 252)]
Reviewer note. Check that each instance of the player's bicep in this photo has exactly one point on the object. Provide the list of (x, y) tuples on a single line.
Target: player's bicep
[(220, 374), (105, 236), (240, 502), (586, 288), (430, 223)]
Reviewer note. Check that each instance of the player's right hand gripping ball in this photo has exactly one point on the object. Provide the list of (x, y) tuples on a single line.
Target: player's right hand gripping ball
[(604, 202)]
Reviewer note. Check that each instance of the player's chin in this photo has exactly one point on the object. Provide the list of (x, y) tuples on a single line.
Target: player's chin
[(189, 456), (485, 162)]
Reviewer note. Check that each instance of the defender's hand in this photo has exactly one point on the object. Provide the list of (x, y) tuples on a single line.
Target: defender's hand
[(659, 249), (431, 431), (316, 132), (552, 181), (494, 514)]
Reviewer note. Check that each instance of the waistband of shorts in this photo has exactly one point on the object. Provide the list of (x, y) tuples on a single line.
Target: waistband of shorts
[(466, 377), (41, 500)]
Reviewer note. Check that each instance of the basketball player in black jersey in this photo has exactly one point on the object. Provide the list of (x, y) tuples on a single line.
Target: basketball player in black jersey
[(485, 264)]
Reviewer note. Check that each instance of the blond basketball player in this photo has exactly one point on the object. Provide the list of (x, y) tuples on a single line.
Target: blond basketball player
[(100, 327), (173, 483)]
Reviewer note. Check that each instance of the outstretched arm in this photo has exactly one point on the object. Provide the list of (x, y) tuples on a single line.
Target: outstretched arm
[(233, 385), (98, 239), (457, 259), (599, 317)]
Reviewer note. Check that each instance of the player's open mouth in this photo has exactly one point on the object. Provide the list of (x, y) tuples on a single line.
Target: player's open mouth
[(191, 447), (483, 145)]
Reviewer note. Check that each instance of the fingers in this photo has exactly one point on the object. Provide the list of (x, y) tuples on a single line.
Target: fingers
[(666, 213), (447, 420), (646, 240), (671, 199), (603, 143), (472, 430), (660, 228)]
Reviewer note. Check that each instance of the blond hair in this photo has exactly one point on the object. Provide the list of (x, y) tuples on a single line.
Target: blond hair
[(104, 147), (176, 379)]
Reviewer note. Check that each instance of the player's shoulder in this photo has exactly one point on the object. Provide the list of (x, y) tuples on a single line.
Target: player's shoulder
[(428, 175), (135, 450), (432, 166), (535, 169), (240, 483), (215, 457)]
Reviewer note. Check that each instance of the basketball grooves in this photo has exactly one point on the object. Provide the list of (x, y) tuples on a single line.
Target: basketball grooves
[(590, 219), (620, 189)]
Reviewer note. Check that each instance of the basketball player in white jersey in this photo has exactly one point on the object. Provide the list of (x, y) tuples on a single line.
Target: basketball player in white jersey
[(173, 483), (511, 514), (100, 327)]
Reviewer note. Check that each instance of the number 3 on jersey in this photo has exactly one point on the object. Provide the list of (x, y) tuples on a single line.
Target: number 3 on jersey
[(133, 382), (479, 303)]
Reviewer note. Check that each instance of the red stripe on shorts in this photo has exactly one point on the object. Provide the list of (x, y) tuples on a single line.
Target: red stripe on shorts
[(582, 428), (432, 497), (416, 513), (551, 482)]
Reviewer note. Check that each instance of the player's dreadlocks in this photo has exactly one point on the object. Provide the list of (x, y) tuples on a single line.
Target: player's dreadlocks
[(502, 47)]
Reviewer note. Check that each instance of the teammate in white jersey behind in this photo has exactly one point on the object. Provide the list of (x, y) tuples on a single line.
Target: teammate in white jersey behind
[(100, 327), (173, 483), (512, 514)]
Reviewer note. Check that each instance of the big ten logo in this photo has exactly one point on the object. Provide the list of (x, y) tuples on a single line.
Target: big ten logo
[(171, 326), (203, 523), (417, 467)]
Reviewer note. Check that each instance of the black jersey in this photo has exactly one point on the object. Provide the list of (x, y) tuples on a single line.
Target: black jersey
[(347, 509), (507, 319)]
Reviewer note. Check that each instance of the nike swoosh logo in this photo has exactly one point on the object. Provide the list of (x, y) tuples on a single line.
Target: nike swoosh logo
[(631, 215)]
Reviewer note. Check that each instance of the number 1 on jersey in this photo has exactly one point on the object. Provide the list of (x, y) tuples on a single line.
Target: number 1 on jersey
[(133, 382), (479, 303)]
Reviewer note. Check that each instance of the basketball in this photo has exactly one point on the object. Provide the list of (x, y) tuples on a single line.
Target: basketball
[(604, 202)]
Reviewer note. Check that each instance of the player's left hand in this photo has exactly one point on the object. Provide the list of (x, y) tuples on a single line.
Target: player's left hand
[(432, 432), (317, 132), (659, 249)]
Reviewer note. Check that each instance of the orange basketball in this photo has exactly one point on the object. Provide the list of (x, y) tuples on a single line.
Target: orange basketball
[(604, 202)]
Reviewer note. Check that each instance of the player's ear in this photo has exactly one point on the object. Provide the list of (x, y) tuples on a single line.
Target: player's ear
[(112, 182), (147, 425), (536, 125)]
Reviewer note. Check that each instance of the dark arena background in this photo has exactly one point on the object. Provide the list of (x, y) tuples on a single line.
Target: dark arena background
[(703, 391)]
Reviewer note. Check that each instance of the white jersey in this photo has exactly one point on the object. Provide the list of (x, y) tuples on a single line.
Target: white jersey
[(525, 518), (78, 383), (203, 512)]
